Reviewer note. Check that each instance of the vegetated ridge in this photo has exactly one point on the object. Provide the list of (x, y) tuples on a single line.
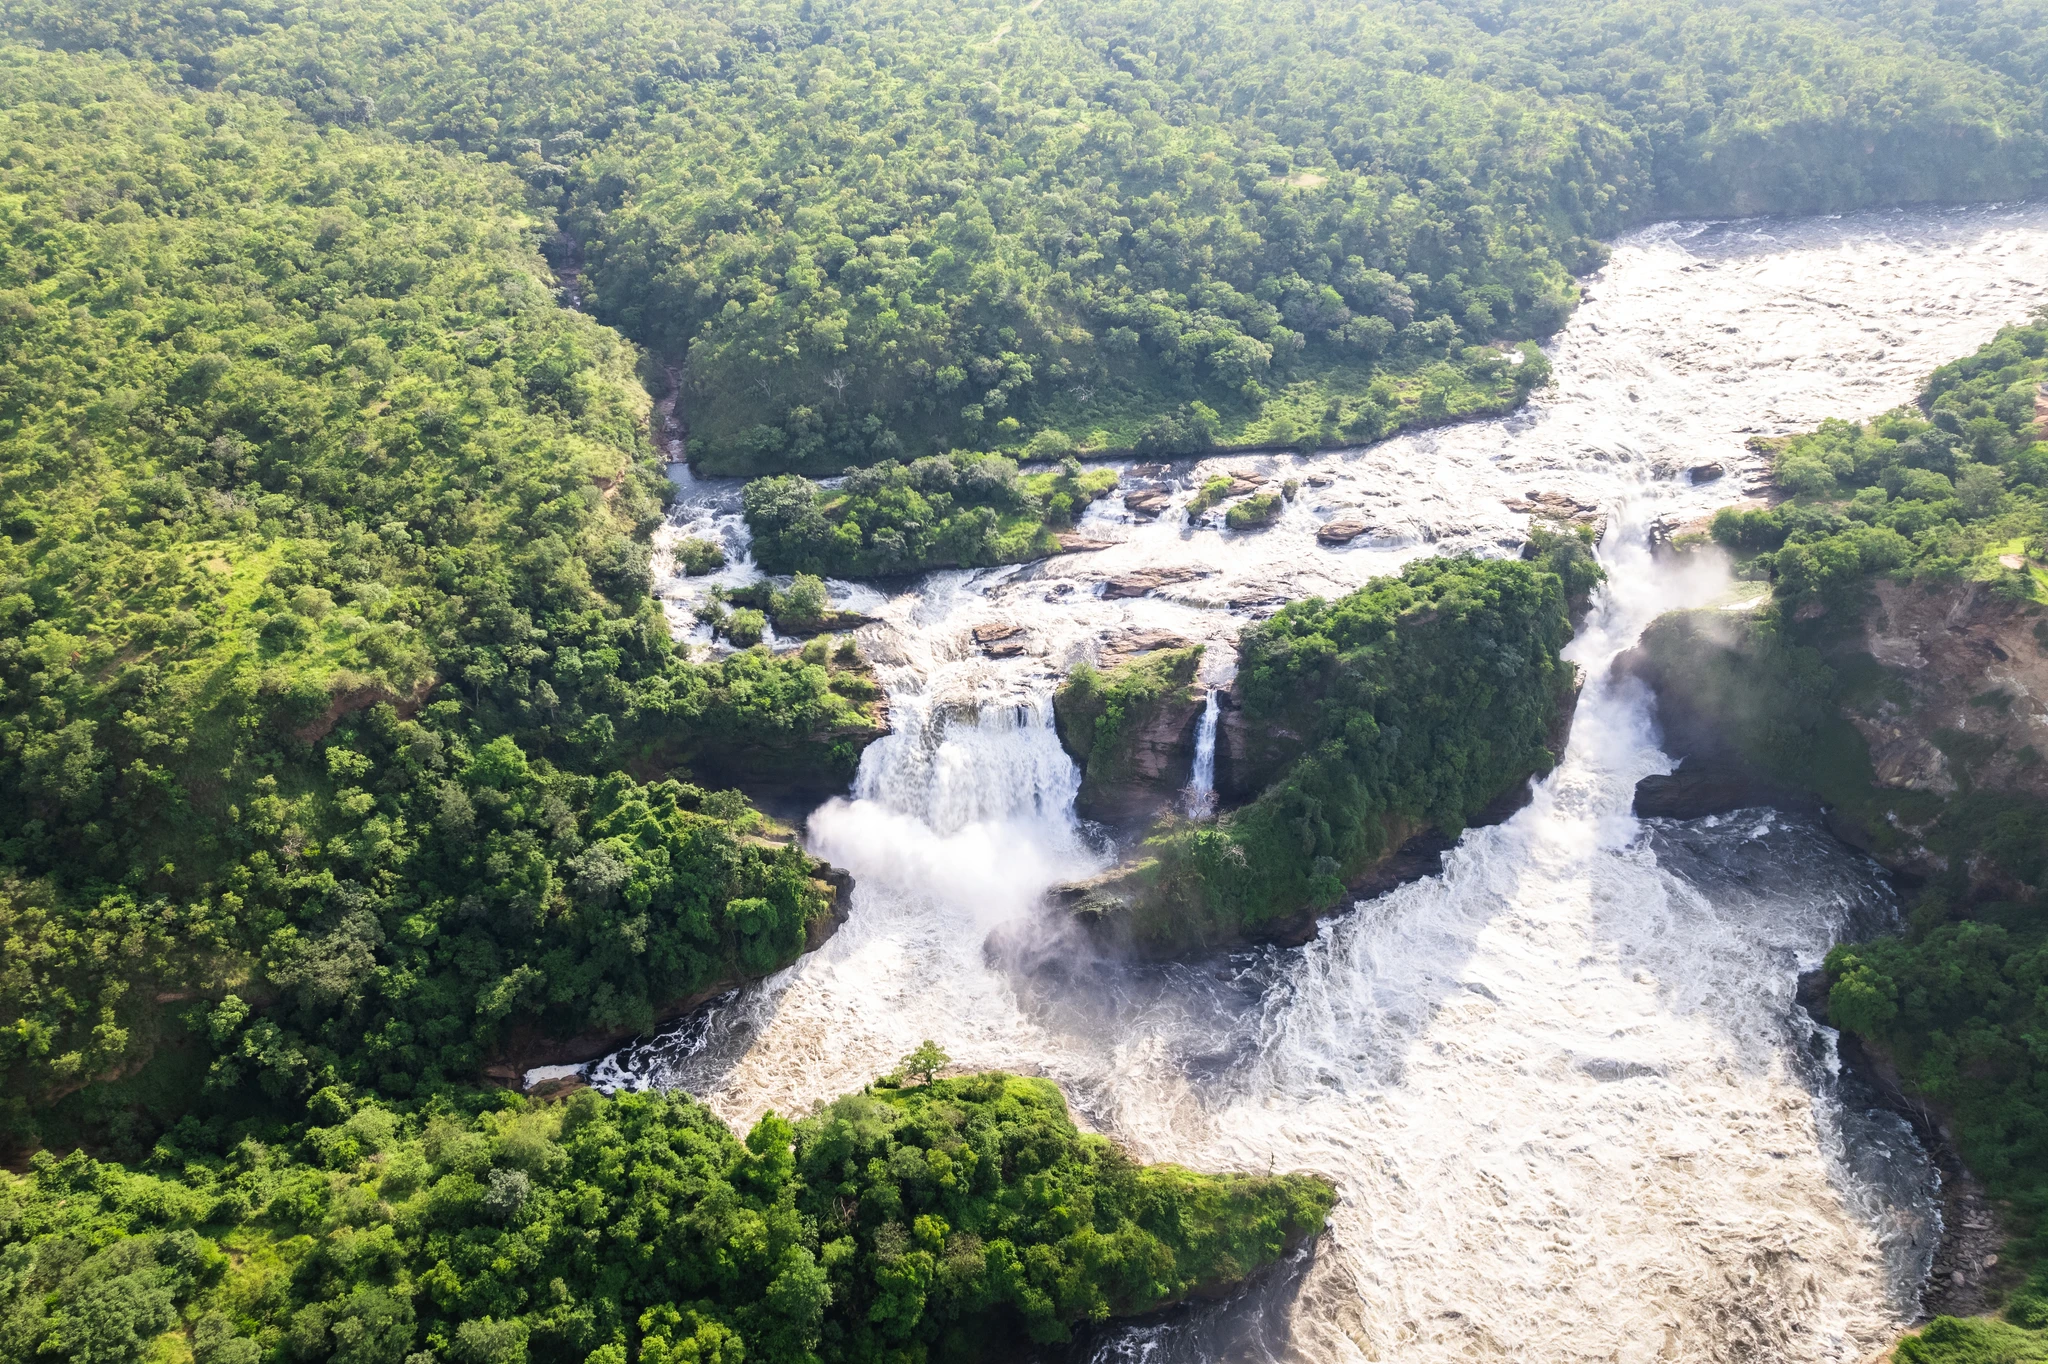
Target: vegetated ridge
[(329, 636), (900, 228)]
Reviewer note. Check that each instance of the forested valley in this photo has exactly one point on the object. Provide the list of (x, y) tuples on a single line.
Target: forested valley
[(343, 744)]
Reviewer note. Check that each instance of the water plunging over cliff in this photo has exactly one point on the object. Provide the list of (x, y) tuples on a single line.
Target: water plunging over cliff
[(1201, 792), (1572, 1108)]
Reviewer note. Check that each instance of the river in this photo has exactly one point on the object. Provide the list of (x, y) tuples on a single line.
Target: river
[(1572, 1108)]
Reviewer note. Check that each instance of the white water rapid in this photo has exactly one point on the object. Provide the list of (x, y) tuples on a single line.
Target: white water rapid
[(1564, 1088)]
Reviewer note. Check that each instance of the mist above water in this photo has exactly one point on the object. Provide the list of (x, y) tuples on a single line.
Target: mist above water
[(1563, 1087)]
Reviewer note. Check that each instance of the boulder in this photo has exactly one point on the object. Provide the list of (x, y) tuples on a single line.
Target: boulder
[(1705, 473), (1144, 581), (1001, 639), (1128, 644), (1146, 502), (1341, 531)]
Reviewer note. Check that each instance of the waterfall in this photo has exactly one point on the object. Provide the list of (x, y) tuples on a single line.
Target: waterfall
[(1201, 792), (1573, 1110)]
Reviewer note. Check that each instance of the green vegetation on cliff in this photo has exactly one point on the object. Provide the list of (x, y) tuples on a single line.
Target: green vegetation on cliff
[(946, 1222), (961, 510), (1413, 703), (1942, 493), (1104, 715), (897, 228), (327, 621)]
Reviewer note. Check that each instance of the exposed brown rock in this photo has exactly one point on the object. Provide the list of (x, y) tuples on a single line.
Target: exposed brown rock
[(1974, 665), (1705, 473), (353, 699), (1128, 644), (1073, 542), (1001, 639), (1138, 775), (1341, 531), (1146, 580), (1147, 502)]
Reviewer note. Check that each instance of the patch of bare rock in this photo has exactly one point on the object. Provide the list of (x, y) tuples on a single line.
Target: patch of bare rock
[(1144, 581), (1341, 530), (1001, 639)]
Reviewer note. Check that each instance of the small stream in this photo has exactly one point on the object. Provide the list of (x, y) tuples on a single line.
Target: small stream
[(1571, 1105)]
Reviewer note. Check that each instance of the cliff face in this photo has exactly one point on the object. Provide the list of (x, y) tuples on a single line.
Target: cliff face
[(1131, 730), (1907, 726), (1970, 678)]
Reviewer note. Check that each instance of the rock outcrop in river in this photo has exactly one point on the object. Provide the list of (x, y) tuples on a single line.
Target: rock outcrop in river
[(1405, 710)]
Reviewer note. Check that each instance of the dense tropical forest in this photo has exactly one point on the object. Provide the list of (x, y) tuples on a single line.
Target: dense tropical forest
[(891, 228), (1953, 491), (942, 511), (943, 1220), (342, 743), (329, 638)]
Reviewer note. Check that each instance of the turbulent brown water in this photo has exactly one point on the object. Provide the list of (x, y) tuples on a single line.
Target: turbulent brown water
[(1571, 1105)]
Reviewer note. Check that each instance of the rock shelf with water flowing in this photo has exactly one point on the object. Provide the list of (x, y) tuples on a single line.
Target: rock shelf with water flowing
[(1572, 1108)]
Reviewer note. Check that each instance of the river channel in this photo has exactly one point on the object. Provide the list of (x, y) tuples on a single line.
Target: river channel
[(1565, 1090)]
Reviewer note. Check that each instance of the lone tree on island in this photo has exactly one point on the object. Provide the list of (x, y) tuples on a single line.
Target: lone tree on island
[(924, 1063)]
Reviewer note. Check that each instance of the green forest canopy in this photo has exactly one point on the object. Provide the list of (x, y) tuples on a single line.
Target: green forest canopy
[(945, 1222), (327, 619), (897, 227), (1410, 703)]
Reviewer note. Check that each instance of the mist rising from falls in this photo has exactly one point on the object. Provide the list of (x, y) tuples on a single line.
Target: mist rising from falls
[(1563, 1086)]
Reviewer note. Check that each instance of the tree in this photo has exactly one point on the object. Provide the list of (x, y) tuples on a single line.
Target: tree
[(924, 1063)]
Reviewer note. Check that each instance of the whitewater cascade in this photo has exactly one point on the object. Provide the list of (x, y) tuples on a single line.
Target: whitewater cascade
[(1201, 791), (1572, 1108)]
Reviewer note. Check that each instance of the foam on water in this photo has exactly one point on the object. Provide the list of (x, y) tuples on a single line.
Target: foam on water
[(1564, 1089)]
